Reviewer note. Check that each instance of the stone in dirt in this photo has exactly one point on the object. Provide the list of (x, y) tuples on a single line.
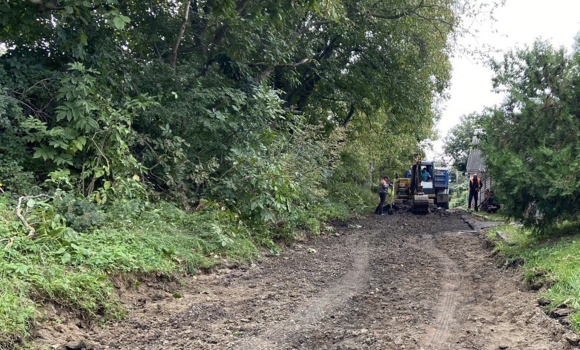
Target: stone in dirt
[(557, 313)]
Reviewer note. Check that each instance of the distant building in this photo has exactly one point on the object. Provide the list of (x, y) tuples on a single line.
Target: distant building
[(476, 165)]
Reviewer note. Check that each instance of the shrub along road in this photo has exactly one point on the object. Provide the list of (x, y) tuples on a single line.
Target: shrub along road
[(388, 282)]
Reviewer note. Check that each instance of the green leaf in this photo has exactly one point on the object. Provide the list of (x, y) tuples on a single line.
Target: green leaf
[(65, 258), (120, 21), (60, 251), (82, 140), (93, 123), (77, 145), (44, 152)]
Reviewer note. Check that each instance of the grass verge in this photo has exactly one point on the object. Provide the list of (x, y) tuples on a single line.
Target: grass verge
[(550, 262)]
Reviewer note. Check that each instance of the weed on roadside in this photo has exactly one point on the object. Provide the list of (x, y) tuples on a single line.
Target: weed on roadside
[(79, 249), (73, 269), (550, 263)]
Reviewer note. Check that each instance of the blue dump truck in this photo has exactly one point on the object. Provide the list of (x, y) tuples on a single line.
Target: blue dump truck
[(424, 185)]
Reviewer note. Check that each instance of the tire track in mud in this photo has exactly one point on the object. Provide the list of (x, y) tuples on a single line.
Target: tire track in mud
[(314, 310), (387, 283), (448, 299)]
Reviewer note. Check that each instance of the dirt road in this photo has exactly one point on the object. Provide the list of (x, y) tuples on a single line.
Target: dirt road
[(386, 282)]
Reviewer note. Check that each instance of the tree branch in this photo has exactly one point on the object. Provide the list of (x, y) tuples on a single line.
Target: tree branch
[(276, 65), (180, 35), (349, 116), (18, 211), (271, 67), (436, 27), (403, 13), (240, 6), (10, 242), (51, 6), (309, 77), (314, 24)]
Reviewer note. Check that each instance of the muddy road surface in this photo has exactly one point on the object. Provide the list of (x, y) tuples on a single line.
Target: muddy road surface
[(385, 282)]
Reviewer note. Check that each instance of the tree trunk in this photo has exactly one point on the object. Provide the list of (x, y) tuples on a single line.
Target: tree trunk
[(180, 35)]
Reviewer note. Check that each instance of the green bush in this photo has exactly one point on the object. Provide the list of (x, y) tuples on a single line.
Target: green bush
[(530, 144), (356, 197), (15, 180), (459, 194), (80, 214)]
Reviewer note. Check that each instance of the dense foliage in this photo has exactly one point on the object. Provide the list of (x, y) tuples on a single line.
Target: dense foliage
[(531, 145), (184, 96)]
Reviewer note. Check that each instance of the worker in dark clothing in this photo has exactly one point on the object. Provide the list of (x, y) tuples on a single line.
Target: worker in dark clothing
[(474, 187), (492, 206), (486, 200), (383, 189)]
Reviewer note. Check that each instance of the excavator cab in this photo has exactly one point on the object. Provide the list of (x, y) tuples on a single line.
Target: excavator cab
[(426, 189), (420, 200)]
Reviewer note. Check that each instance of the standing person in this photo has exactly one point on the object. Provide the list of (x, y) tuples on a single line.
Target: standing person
[(474, 187), (383, 189)]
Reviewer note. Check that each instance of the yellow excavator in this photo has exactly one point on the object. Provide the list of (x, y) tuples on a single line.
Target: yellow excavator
[(422, 190)]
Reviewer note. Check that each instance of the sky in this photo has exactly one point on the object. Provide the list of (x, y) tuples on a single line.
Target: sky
[(519, 23)]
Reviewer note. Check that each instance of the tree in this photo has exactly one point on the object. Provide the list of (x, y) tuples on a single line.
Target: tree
[(167, 92), (531, 146), (458, 140)]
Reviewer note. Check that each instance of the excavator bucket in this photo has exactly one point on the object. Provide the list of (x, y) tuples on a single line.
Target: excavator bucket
[(420, 203)]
